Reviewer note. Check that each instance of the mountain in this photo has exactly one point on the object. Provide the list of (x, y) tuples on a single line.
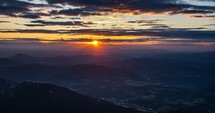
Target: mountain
[(6, 85), (21, 56), (31, 97), (48, 73), (7, 62), (33, 72), (61, 60), (97, 72), (172, 70), (90, 79), (153, 84), (205, 57)]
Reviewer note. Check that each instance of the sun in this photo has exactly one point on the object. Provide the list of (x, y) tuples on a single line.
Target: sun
[(95, 42)]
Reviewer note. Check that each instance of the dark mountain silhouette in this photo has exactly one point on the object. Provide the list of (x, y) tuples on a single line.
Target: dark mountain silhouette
[(205, 57), (176, 71), (98, 72), (6, 85), (31, 97), (42, 72), (34, 72), (7, 62), (84, 59), (20, 56), (61, 60), (175, 82)]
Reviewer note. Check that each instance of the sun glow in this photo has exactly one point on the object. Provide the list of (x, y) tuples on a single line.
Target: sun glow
[(95, 42)]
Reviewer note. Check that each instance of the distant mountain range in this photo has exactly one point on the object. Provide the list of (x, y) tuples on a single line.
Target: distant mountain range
[(29, 97), (48, 73), (152, 83)]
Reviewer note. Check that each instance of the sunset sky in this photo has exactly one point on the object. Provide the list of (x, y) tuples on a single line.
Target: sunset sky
[(109, 21)]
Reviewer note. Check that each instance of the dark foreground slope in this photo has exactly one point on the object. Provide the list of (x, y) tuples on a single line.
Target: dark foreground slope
[(31, 97)]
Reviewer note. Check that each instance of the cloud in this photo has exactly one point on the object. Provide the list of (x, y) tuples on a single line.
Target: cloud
[(145, 21), (75, 13), (25, 39), (31, 16), (51, 23), (31, 31), (12, 10), (80, 40), (154, 24), (15, 8), (204, 16), (23, 9), (34, 25), (86, 11), (179, 33), (4, 22), (155, 6), (210, 25), (193, 11)]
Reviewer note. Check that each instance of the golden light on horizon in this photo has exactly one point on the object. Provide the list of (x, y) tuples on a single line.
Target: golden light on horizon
[(95, 42)]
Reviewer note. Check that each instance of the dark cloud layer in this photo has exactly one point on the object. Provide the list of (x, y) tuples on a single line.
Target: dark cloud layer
[(86, 11), (15, 8), (156, 6), (204, 16), (182, 33), (51, 23), (22, 9), (4, 22)]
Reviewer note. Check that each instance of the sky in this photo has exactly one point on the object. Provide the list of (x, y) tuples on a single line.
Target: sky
[(132, 22)]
